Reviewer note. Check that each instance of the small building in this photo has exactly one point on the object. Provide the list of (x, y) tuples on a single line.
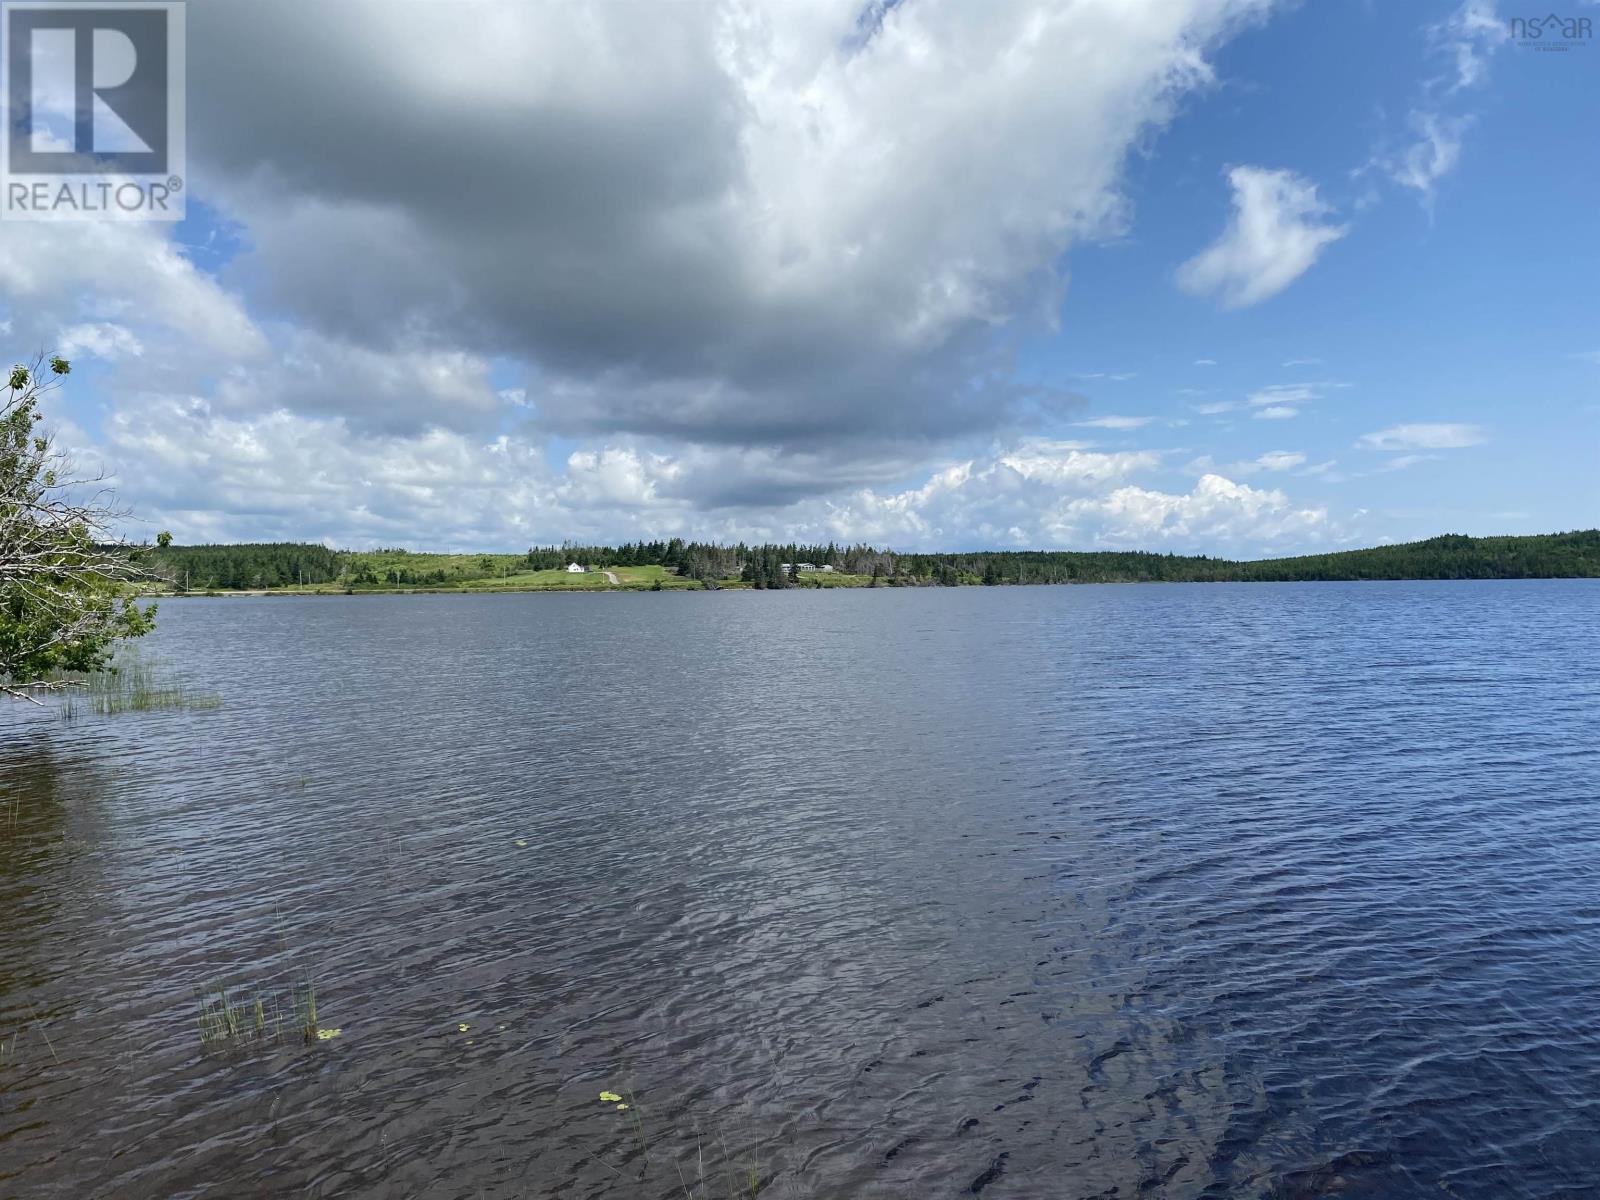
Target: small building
[(575, 569), (801, 568)]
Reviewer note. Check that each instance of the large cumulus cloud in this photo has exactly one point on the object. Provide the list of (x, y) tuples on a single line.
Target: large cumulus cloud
[(733, 222)]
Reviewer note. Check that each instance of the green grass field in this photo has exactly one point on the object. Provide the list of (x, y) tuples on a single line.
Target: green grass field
[(455, 566), (539, 580), (593, 581)]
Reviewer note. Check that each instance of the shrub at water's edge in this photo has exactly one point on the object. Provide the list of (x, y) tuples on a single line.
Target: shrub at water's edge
[(66, 596)]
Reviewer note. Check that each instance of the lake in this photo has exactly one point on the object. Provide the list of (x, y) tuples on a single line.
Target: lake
[(1162, 890)]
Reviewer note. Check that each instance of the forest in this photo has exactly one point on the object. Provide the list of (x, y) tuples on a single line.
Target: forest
[(679, 563)]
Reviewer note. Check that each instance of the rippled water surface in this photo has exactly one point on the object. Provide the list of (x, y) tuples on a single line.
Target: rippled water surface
[(1226, 890)]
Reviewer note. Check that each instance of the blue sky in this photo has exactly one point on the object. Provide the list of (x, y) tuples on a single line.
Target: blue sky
[(1470, 306), (1215, 275)]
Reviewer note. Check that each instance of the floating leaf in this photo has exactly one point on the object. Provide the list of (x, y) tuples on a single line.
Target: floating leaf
[(622, 1108), (610, 1097), (327, 1035), (462, 1027), (520, 842)]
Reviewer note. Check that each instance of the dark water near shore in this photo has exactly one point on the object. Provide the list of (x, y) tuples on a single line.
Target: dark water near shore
[(1165, 891)]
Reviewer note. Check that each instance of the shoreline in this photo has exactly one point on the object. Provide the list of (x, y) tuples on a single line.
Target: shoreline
[(292, 568), (741, 586)]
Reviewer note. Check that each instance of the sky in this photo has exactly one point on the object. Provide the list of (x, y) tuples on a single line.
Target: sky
[(1223, 276)]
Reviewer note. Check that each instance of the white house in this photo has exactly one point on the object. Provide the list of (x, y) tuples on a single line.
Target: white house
[(574, 569)]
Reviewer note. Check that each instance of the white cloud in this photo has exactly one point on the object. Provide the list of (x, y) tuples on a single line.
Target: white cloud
[(101, 339), (1466, 39), (1272, 460), (1434, 153), (1218, 511), (1280, 401), (53, 275), (1469, 36), (1423, 437), (391, 390), (1114, 422), (1285, 393), (1205, 362), (208, 474), (1401, 461), (986, 504), (616, 477), (1067, 465), (1276, 234), (1280, 460)]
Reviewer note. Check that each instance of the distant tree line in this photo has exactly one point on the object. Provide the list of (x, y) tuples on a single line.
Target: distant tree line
[(1452, 556), (246, 566)]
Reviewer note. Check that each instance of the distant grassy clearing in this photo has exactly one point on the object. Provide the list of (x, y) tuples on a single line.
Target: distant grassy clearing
[(543, 580), (589, 581)]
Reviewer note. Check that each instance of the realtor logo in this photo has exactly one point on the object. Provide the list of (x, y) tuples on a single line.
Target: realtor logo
[(94, 111), (1553, 31)]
